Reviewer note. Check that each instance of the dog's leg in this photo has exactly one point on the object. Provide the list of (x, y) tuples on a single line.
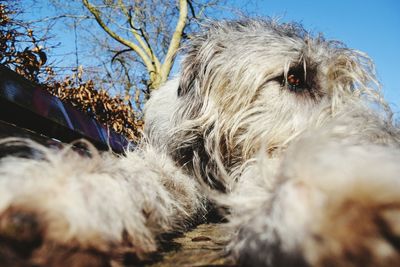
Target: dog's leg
[(65, 209), (336, 202)]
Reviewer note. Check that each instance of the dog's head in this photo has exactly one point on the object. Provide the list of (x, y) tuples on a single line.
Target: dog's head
[(256, 83)]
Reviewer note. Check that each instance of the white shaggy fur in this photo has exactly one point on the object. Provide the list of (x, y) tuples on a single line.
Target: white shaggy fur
[(100, 201), (286, 130)]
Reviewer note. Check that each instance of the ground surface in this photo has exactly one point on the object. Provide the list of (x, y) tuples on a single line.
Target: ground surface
[(204, 246)]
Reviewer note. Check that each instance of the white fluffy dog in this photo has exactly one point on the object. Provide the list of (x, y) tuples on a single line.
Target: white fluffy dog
[(286, 130)]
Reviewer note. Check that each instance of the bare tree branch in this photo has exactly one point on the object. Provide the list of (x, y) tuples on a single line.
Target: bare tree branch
[(46, 19), (175, 41), (139, 37), (138, 50), (139, 34), (120, 53)]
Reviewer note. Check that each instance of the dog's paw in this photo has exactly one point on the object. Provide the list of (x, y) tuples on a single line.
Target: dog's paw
[(24, 241), (337, 206), (37, 235), (303, 227), (69, 210), (62, 208), (355, 233)]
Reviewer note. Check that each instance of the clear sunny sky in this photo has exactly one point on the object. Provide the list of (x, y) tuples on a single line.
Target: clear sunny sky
[(372, 26)]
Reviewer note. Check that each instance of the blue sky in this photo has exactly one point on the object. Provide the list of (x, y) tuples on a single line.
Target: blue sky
[(372, 26)]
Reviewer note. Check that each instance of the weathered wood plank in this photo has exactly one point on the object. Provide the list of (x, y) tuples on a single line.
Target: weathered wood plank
[(204, 246)]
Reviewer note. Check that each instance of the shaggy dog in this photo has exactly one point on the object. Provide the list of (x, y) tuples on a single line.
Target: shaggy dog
[(286, 131)]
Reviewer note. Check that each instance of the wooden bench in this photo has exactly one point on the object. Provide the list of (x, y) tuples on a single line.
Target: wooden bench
[(29, 111)]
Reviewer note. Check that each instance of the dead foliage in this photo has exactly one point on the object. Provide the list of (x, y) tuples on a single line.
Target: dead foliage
[(115, 112), (13, 36), (21, 52)]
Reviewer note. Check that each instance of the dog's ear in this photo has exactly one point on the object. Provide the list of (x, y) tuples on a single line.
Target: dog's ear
[(188, 75), (191, 65), (196, 65)]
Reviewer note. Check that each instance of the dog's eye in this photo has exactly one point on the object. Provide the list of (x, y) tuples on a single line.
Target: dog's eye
[(295, 80)]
